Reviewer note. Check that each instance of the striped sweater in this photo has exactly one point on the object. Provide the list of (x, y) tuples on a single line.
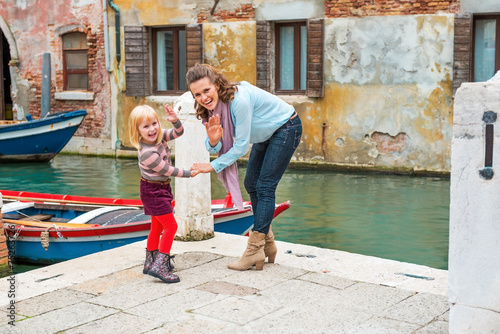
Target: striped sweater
[(154, 160)]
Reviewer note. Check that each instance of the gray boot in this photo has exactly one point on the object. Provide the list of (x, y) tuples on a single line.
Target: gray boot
[(150, 259), (162, 268)]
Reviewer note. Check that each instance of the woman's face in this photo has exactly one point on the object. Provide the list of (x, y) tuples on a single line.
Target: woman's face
[(205, 93)]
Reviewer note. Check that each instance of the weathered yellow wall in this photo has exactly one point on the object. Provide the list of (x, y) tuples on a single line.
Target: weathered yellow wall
[(232, 48)]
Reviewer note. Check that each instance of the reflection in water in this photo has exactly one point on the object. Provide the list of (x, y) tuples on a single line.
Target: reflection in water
[(394, 217)]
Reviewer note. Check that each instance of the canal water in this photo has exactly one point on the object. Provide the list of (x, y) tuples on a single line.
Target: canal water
[(395, 217)]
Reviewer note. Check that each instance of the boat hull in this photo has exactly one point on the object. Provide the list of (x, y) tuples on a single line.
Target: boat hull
[(38, 140), (25, 246)]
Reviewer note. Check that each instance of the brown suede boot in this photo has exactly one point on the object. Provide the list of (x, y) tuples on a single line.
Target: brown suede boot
[(254, 254), (270, 248)]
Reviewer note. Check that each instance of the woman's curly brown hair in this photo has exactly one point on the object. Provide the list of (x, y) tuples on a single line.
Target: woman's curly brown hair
[(225, 88)]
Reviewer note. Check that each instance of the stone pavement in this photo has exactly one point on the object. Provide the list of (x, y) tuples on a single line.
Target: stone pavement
[(308, 290)]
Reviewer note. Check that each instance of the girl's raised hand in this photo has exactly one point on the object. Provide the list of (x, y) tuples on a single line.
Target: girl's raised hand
[(171, 115), (214, 130)]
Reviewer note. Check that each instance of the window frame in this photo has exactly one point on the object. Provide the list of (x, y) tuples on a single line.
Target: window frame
[(154, 49), (497, 42), (297, 58), (67, 71)]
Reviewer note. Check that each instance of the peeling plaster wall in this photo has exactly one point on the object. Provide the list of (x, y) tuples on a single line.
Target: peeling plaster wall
[(232, 47), (288, 10), (387, 80), (154, 12), (483, 6)]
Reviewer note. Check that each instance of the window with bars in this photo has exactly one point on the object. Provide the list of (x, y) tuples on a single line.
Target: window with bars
[(75, 61)]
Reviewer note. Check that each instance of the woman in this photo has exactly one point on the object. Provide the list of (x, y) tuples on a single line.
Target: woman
[(248, 115)]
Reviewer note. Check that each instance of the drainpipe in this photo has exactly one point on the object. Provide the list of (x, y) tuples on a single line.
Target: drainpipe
[(114, 103), (106, 33), (117, 31)]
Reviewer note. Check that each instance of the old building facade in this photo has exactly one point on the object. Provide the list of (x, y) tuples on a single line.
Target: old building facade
[(72, 32), (372, 80)]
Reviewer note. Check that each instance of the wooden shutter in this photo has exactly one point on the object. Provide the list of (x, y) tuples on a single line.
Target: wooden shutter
[(194, 45), (315, 86), (462, 53), (263, 63), (137, 74)]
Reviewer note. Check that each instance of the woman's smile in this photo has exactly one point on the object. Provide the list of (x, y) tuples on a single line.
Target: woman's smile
[(205, 93)]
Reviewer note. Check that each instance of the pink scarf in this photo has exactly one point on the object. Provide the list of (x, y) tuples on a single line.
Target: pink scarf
[(229, 175)]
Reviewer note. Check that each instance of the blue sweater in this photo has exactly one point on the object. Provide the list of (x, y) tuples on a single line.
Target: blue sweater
[(256, 115)]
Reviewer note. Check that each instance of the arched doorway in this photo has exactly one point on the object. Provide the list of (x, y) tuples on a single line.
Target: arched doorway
[(5, 80)]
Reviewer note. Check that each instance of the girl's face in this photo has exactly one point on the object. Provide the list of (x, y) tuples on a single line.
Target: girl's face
[(149, 129), (205, 93)]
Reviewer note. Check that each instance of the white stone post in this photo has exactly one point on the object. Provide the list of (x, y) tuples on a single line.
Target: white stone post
[(474, 253), (192, 195)]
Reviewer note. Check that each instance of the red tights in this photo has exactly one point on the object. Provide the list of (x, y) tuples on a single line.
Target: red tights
[(167, 225)]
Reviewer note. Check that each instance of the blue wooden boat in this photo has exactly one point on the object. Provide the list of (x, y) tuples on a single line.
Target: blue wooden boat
[(38, 140), (76, 225)]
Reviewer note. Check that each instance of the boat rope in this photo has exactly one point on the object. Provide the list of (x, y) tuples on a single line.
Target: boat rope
[(44, 238), (28, 216)]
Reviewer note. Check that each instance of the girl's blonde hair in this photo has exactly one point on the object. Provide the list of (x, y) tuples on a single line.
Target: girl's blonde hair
[(137, 116)]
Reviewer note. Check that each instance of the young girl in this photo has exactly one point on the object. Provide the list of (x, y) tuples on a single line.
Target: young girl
[(156, 193)]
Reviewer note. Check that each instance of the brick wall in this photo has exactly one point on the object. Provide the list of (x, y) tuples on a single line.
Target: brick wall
[(94, 122), (349, 8), (244, 13)]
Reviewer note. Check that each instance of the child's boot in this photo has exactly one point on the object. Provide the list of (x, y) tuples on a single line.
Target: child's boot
[(162, 268), (150, 259)]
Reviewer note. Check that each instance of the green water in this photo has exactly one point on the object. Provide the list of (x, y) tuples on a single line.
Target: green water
[(394, 217)]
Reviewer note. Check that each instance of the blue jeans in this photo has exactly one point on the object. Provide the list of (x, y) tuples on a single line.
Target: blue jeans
[(267, 163)]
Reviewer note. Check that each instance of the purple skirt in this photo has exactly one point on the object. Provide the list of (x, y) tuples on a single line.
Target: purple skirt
[(156, 198)]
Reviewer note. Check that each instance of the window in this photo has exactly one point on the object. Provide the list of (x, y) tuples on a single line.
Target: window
[(169, 60), (75, 61), (291, 57), (486, 55), (166, 73)]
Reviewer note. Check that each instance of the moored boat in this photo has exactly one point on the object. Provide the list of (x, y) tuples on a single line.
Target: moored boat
[(48, 228), (38, 140)]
